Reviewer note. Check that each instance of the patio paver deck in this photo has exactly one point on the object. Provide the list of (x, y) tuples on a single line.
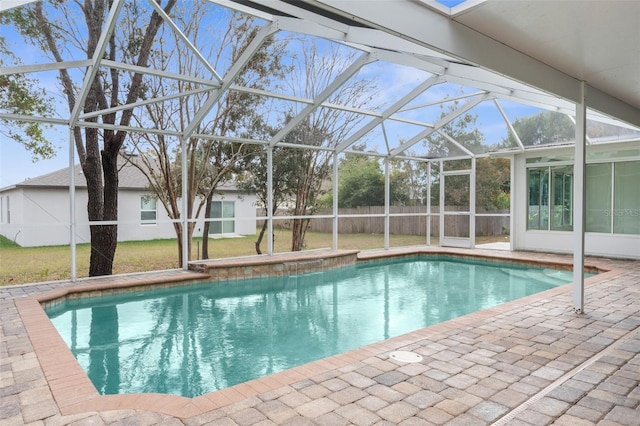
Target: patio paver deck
[(532, 361)]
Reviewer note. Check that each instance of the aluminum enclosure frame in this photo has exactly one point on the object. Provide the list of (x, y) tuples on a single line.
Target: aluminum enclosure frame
[(412, 36)]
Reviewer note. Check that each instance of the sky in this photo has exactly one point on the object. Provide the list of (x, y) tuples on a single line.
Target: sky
[(451, 3), (17, 165)]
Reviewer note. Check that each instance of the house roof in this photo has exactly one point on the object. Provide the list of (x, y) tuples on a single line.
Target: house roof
[(130, 178)]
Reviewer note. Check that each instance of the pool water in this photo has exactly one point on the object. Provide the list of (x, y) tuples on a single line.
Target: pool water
[(191, 340)]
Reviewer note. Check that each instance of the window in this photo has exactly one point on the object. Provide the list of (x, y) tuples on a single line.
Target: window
[(562, 198), (538, 208), (225, 210), (613, 204), (598, 190), (550, 198), (626, 202), (148, 210)]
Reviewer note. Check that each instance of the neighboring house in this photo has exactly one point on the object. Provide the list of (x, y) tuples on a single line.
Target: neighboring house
[(36, 212)]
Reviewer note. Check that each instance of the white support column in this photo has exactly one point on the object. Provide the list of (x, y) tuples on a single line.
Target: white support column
[(387, 193), (579, 204), (441, 203), (334, 228), (512, 202), (72, 206), (185, 206), (428, 203), (472, 204), (269, 200)]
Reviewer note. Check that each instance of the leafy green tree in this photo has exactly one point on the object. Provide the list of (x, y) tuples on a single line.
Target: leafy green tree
[(463, 130), (61, 29), (407, 183), (361, 182), (20, 95), (544, 128), (493, 177), (492, 185)]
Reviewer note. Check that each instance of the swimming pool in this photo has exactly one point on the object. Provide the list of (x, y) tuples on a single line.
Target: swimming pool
[(196, 339)]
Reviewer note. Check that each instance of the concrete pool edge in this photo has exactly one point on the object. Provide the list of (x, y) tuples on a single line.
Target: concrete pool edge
[(200, 273), (74, 393)]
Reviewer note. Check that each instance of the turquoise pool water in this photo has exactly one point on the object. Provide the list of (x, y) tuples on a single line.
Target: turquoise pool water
[(195, 339)]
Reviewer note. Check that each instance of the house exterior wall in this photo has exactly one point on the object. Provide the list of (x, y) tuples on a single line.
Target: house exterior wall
[(598, 244), (11, 214), (40, 217)]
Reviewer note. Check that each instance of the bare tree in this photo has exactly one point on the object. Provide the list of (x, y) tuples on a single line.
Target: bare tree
[(285, 171), (58, 29), (318, 67), (210, 161)]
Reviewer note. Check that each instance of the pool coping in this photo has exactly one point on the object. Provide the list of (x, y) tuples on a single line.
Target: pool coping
[(74, 393)]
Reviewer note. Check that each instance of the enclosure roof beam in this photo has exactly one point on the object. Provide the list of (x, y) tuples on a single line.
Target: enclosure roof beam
[(10, 4), (509, 125), (119, 127), (51, 66), (387, 47), (184, 39), (307, 101), (159, 73), (417, 91), (238, 7), (391, 48), (291, 9), (440, 123), (422, 63), (389, 42), (413, 22), (230, 76), (442, 101), (98, 55), (364, 59), (311, 28), (542, 100), (456, 143), (410, 121), (145, 102), (34, 119), (474, 73)]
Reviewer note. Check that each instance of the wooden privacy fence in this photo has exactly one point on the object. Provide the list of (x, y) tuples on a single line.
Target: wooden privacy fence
[(455, 225)]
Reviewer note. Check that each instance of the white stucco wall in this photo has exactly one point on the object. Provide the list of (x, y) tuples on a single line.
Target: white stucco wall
[(599, 244), (40, 217)]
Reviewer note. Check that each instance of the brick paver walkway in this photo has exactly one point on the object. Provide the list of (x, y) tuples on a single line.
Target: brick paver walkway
[(528, 362)]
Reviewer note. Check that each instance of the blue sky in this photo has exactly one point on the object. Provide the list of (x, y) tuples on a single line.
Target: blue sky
[(451, 3), (16, 163)]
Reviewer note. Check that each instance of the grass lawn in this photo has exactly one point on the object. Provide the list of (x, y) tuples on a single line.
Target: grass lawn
[(20, 265)]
